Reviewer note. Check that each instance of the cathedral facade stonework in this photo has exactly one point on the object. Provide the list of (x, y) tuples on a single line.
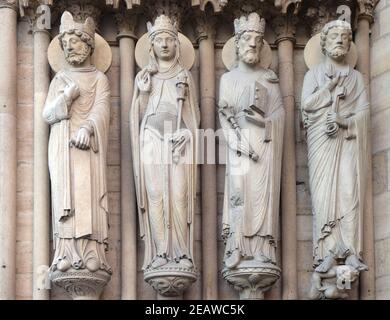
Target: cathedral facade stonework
[(198, 149)]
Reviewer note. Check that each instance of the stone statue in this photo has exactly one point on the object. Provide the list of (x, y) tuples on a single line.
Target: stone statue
[(78, 111), (335, 112), (252, 117), (164, 118)]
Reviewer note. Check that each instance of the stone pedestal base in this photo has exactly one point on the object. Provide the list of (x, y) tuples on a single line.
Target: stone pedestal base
[(170, 280), (252, 278), (81, 284)]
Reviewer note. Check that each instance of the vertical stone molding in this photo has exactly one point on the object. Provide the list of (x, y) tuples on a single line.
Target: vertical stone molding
[(205, 26), (365, 14), (126, 24), (8, 100), (284, 26), (41, 245)]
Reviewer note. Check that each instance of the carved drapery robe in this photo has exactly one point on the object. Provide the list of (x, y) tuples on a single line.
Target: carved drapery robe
[(166, 191), (78, 177), (337, 164), (252, 189)]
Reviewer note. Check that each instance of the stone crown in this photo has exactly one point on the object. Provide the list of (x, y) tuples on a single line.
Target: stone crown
[(251, 23), (68, 24), (162, 23)]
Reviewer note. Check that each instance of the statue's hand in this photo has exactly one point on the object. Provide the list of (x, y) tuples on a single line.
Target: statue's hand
[(333, 117), (179, 140), (83, 139), (143, 80), (71, 92), (333, 83)]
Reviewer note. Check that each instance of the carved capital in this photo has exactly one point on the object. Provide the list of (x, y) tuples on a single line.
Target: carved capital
[(81, 10), (284, 5), (126, 23), (205, 26), (285, 27), (39, 16), (317, 17), (366, 9), (171, 8), (216, 4), (11, 4), (128, 3)]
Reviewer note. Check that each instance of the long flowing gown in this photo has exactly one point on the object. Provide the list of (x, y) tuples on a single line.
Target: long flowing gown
[(252, 189), (337, 164), (78, 177), (166, 191)]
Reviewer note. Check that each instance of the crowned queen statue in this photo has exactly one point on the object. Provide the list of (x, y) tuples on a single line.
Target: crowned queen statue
[(164, 117)]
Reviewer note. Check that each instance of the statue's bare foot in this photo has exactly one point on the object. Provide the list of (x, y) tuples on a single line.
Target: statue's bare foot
[(186, 263), (159, 262), (233, 260), (326, 264), (354, 261)]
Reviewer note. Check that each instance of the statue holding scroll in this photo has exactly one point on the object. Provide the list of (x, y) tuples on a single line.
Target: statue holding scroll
[(164, 118), (336, 113), (78, 111)]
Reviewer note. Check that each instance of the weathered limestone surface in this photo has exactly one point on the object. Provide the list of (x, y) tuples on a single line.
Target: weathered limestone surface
[(380, 113)]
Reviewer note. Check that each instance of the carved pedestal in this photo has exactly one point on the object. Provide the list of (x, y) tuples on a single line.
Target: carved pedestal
[(252, 278), (170, 280), (81, 284)]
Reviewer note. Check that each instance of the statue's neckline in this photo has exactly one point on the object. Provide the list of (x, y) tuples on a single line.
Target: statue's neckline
[(83, 69)]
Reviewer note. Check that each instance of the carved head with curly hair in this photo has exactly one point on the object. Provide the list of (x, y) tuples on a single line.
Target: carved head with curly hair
[(336, 38)]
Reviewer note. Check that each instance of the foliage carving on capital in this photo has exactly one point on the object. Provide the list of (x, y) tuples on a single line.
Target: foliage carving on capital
[(317, 17), (12, 4), (126, 24), (284, 27), (216, 4), (366, 9), (205, 26), (128, 3), (283, 5)]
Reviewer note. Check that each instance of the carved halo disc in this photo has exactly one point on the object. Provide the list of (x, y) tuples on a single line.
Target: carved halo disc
[(101, 57), (187, 52), (313, 54), (229, 55)]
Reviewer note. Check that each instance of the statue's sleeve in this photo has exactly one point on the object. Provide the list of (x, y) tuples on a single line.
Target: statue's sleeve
[(358, 122), (99, 117), (313, 97), (56, 105), (224, 104)]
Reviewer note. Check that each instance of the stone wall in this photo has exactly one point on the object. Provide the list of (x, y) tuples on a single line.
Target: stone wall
[(380, 79), (380, 113)]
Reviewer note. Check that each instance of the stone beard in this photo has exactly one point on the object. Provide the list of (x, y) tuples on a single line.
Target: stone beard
[(251, 199), (336, 115), (79, 98), (166, 189)]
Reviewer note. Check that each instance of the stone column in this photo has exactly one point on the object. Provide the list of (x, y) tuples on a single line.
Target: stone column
[(41, 244), (362, 40), (126, 24), (284, 27), (8, 99), (205, 27)]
